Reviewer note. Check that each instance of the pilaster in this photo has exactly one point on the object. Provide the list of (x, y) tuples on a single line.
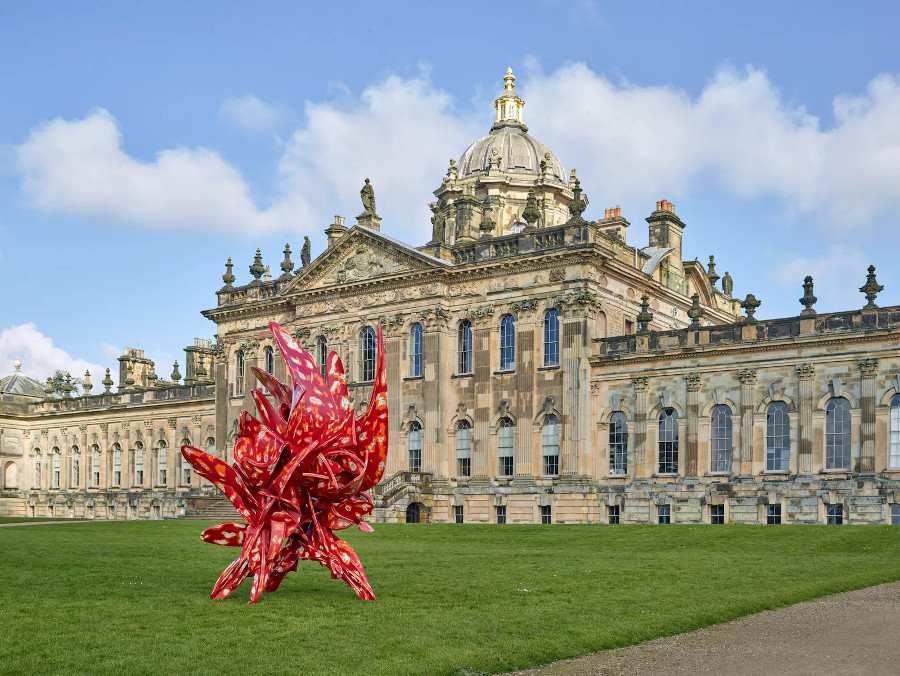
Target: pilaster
[(639, 461), (743, 456), (692, 381), (868, 369)]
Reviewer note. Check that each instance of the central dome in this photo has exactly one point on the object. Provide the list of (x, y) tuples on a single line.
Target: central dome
[(518, 153), (508, 147)]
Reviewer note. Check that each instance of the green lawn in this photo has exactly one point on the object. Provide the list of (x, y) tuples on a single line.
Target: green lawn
[(23, 519), (133, 597)]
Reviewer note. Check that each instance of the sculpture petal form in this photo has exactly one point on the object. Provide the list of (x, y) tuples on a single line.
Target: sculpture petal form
[(301, 471)]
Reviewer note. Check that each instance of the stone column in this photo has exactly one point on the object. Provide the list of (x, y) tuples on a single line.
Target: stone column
[(83, 447), (221, 408), (483, 363), (868, 369), (692, 380), (127, 458), (742, 462), (106, 459), (527, 356), (437, 367), (151, 460), (197, 435), (806, 373), (46, 459), (393, 347), (639, 461)]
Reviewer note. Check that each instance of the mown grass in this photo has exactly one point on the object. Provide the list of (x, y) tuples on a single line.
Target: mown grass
[(132, 597)]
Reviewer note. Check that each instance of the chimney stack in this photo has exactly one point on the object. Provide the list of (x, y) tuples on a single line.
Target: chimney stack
[(336, 230)]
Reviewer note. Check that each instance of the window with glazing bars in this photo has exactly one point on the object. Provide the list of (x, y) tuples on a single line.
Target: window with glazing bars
[(367, 346), (773, 514), (139, 464), (720, 439), (668, 441), (464, 341), (57, 471), (546, 514), (239, 369), (834, 515), (415, 351), (162, 464), (550, 445), (95, 467), (270, 360), (76, 466), (837, 434), (551, 338), (463, 448), (322, 354), (505, 450), (894, 454), (618, 443), (117, 465), (778, 437), (458, 513), (501, 513), (895, 515), (37, 469), (415, 447), (664, 513), (507, 343), (717, 514), (613, 514)]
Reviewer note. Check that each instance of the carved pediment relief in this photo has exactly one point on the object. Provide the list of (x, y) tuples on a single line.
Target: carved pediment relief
[(363, 262)]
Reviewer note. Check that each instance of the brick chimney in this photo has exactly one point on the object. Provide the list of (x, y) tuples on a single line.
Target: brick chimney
[(613, 224), (666, 232)]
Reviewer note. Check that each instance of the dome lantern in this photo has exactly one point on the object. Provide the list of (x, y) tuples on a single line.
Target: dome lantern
[(509, 105)]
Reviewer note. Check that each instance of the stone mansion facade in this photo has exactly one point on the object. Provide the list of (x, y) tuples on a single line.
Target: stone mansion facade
[(540, 369)]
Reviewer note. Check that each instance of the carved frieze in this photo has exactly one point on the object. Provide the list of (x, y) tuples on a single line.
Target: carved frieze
[(363, 263)]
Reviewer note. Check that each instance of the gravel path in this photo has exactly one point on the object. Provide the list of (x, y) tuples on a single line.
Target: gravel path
[(851, 633)]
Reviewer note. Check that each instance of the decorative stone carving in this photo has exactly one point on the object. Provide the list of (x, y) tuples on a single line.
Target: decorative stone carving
[(524, 306), (480, 311), (248, 344), (82, 429), (871, 289), (104, 427), (302, 333), (197, 420), (172, 422), (640, 383), (363, 264), (435, 318), (808, 299), (558, 275)]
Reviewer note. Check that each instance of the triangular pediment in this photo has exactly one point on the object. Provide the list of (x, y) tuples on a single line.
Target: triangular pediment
[(361, 255)]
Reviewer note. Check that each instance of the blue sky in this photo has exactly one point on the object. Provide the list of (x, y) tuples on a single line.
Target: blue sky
[(143, 143)]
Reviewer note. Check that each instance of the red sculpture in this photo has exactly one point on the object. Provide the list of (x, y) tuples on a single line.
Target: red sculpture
[(300, 472)]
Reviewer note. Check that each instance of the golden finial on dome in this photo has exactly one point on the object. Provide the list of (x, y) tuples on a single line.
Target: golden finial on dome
[(509, 80)]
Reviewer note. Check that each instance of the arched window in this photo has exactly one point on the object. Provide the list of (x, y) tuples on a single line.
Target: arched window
[(778, 437), (37, 468), (322, 353), (894, 455), (367, 345), (117, 465), (505, 447), (185, 466), (211, 446), (239, 372), (618, 443), (269, 355), (95, 466), (464, 346), (162, 464), (837, 434), (463, 448), (139, 464), (415, 351), (56, 472), (668, 441), (414, 442), (76, 466), (508, 343), (551, 338), (550, 445), (720, 439)]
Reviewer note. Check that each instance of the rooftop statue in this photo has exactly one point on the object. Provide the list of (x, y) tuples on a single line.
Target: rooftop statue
[(367, 193)]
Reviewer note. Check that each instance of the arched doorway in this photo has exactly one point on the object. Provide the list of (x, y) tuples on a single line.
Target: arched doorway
[(414, 513)]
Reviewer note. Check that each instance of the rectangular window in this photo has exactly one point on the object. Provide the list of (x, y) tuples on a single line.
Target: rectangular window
[(505, 447), (457, 513), (895, 515), (185, 473), (894, 456), (612, 513), (664, 513), (464, 450), (415, 448), (717, 514), (501, 513), (546, 514), (773, 514), (629, 327), (834, 515)]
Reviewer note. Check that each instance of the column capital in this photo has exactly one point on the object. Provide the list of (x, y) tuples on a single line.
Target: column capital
[(868, 366), (524, 309), (806, 371), (480, 315), (692, 380), (435, 318), (640, 383), (747, 376)]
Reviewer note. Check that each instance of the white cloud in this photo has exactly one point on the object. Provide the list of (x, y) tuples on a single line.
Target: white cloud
[(253, 116), (833, 273), (632, 145), (39, 357), (79, 167)]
